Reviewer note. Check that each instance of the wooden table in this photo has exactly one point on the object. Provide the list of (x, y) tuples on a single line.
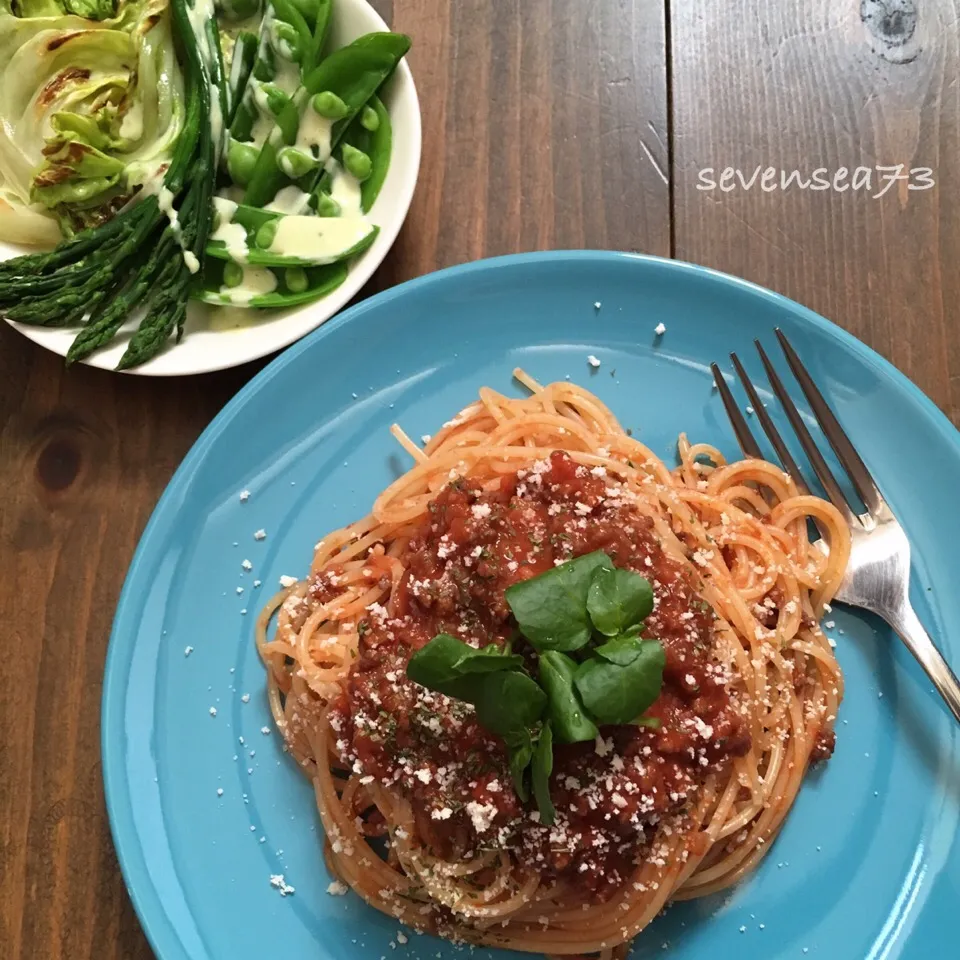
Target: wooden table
[(547, 124)]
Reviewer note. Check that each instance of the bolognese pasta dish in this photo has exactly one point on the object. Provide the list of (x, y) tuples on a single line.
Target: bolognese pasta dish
[(550, 684)]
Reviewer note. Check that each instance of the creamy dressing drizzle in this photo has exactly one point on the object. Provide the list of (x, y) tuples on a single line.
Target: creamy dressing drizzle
[(289, 200), (314, 132), (345, 189), (257, 282), (233, 235), (286, 78), (318, 239), (216, 123), (165, 200)]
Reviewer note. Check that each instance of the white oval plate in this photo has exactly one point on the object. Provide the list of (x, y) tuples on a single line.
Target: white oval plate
[(220, 337)]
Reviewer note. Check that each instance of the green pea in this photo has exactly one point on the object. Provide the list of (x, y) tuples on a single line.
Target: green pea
[(329, 105), (265, 234), (295, 163), (369, 119), (357, 162), (241, 159), (327, 206), (285, 41), (276, 98), (232, 274), (296, 279)]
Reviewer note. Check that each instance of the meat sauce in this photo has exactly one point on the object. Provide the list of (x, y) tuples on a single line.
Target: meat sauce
[(608, 794)]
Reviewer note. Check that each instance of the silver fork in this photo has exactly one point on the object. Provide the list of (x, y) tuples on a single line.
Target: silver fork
[(878, 575)]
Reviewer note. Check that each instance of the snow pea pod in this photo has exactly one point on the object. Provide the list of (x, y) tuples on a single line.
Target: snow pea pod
[(241, 66), (292, 287), (320, 21), (325, 240), (379, 147), (375, 144), (353, 73), (286, 50)]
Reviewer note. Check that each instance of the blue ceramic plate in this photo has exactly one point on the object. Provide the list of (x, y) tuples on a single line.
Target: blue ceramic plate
[(868, 864)]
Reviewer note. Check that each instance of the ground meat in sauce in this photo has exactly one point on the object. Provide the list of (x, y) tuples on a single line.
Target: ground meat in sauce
[(823, 746), (608, 794)]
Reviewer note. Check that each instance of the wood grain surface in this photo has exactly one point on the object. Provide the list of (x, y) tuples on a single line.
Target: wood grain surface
[(830, 84), (547, 124)]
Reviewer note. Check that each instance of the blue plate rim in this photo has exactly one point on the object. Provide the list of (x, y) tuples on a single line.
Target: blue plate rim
[(133, 867)]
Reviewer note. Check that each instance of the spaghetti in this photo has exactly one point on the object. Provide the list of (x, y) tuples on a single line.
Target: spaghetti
[(415, 798)]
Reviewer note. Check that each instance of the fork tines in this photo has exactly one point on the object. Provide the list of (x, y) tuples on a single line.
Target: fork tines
[(849, 458)]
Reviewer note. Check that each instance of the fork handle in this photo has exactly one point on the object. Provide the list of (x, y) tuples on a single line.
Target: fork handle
[(914, 635)]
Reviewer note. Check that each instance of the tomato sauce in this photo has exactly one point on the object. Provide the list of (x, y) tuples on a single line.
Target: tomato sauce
[(608, 794)]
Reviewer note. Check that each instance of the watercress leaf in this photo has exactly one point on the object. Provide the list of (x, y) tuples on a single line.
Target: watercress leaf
[(551, 608), (566, 713), (618, 599), (619, 694), (541, 767), (482, 662), (521, 752), (435, 665), (507, 701), (448, 665), (622, 650)]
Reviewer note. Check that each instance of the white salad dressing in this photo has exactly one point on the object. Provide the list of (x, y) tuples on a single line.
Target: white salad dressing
[(225, 207), (165, 200), (262, 125), (198, 15), (257, 281), (287, 76), (318, 239), (345, 189), (290, 200), (216, 123), (259, 96), (233, 235), (314, 132)]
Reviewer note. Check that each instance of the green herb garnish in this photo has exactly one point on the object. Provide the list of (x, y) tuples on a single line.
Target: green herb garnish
[(585, 607), (452, 667), (567, 715), (618, 599), (542, 767), (618, 692), (521, 753), (552, 609)]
